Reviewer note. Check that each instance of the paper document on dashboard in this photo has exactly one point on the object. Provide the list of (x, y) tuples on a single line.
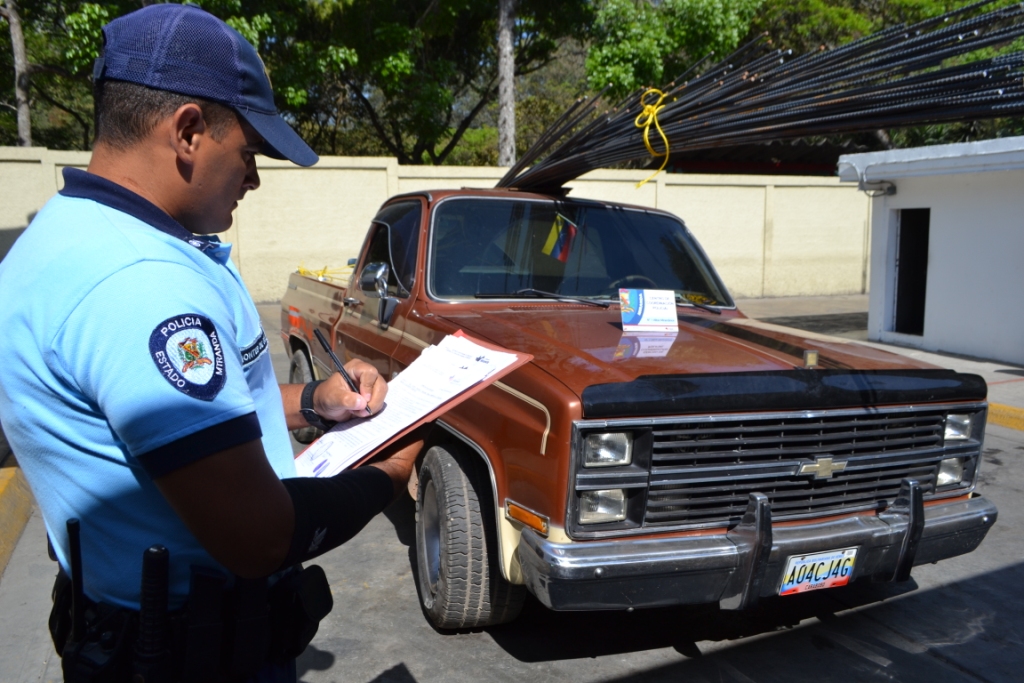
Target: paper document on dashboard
[(431, 384)]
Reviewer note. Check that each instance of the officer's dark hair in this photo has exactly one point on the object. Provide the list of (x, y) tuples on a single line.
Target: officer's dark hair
[(127, 112)]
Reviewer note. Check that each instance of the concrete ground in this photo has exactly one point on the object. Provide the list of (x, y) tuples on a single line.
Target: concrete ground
[(959, 620)]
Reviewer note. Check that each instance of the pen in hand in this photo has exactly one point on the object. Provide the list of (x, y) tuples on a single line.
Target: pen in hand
[(341, 368)]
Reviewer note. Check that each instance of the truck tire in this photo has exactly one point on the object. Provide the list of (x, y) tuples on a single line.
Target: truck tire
[(301, 372), (459, 576)]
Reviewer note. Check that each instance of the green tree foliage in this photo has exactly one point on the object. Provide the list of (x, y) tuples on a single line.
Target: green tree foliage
[(425, 70), (8, 120), (62, 39), (416, 78), (636, 43), (395, 77), (807, 25), (541, 97)]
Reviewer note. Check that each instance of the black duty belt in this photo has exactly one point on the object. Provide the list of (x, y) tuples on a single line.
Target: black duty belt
[(225, 632)]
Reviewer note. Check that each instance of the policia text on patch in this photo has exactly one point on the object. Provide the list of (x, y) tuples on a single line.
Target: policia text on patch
[(224, 632)]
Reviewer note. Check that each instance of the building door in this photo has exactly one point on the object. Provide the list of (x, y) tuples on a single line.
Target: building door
[(911, 270)]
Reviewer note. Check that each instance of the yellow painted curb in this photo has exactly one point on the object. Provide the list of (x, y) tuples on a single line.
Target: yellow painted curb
[(15, 509), (1006, 416)]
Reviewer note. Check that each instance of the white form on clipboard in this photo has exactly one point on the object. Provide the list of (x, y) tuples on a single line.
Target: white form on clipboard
[(443, 376)]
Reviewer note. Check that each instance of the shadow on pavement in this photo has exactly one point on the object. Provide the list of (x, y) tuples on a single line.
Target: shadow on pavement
[(402, 515), (970, 630), (313, 659), (540, 634), (396, 674), (965, 631)]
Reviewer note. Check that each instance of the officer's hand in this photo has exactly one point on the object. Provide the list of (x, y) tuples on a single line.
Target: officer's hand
[(399, 459), (335, 401)]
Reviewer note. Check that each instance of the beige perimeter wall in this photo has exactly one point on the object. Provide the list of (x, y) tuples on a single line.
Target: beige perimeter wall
[(767, 235)]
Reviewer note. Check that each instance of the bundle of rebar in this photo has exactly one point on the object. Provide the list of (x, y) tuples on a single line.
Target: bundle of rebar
[(902, 76)]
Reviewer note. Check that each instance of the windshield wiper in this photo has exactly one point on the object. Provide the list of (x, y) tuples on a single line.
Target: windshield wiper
[(531, 292), (680, 299)]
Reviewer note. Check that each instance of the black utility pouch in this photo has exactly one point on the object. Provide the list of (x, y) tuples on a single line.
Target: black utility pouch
[(298, 602), (60, 615), (105, 654)]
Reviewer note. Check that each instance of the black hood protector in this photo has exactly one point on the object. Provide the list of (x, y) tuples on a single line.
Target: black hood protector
[(783, 390)]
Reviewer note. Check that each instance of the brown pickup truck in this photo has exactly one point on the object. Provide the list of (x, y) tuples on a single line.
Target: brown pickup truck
[(732, 461)]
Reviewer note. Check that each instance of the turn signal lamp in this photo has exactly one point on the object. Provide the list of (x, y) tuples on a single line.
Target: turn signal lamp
[(527, 517)]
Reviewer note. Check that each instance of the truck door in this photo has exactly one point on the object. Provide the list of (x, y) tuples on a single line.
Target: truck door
[(393, 240)]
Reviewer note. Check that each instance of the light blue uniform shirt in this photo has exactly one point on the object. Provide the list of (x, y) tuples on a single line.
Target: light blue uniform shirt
[(131, 349)]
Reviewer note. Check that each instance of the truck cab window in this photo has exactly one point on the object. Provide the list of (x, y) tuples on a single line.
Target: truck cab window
[(395, 241), (489, 247)]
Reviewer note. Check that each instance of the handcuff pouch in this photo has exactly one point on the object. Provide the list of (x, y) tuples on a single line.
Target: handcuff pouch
[(298, 602)]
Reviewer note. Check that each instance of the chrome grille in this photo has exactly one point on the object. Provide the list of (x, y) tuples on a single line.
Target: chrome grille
[(702, 473)]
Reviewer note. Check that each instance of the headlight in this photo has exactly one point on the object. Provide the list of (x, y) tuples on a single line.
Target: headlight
[(951, 471), (608, 505), (608, 449), (958, 427)]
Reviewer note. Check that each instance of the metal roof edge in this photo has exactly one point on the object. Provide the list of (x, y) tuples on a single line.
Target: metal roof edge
[(1002, 154)]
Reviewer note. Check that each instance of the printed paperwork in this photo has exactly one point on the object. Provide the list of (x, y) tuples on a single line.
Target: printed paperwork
[(443, 376)]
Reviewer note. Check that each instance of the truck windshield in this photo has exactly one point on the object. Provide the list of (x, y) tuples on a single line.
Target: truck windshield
[(487, 247)]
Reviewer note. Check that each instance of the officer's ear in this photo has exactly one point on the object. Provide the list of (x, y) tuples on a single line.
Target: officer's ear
[(188, 127)]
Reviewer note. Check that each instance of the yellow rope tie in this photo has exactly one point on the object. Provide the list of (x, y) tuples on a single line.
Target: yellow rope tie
[(644, 120), (324, 274)]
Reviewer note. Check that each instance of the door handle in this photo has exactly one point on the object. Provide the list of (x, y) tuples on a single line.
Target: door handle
[(350, 301)]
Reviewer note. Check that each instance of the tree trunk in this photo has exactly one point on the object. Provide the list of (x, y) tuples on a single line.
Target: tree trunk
[(10, 11), (506, 84)]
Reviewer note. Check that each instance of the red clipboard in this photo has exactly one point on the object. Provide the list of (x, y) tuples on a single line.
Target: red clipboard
[(521, 360)]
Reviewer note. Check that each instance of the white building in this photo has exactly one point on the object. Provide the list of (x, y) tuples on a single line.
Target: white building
[(947, 246)]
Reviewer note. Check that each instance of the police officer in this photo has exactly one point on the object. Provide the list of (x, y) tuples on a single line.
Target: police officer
[(136, 386)]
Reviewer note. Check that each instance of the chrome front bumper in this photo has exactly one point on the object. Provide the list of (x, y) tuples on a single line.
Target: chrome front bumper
[(738, 567)]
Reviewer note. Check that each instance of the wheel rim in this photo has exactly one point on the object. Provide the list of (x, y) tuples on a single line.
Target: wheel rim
[(431, 535)]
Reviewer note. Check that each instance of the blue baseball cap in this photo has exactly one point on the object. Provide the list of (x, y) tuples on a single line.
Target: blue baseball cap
[(182, 49)]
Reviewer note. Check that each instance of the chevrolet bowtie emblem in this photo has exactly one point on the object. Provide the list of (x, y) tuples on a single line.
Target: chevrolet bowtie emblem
[(823, 468)]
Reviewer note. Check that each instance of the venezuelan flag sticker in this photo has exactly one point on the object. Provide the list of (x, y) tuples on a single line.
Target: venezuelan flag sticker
[(560, 239)]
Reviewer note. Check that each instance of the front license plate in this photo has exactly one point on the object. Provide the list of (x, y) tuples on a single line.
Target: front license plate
[(818, 570)]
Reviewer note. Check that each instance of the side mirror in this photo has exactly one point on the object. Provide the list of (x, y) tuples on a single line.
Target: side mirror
[(373, 281), (385, 311)]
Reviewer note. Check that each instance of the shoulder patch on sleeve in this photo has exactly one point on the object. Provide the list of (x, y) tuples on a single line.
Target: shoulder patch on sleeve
[(187, 351), (252, 352)]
